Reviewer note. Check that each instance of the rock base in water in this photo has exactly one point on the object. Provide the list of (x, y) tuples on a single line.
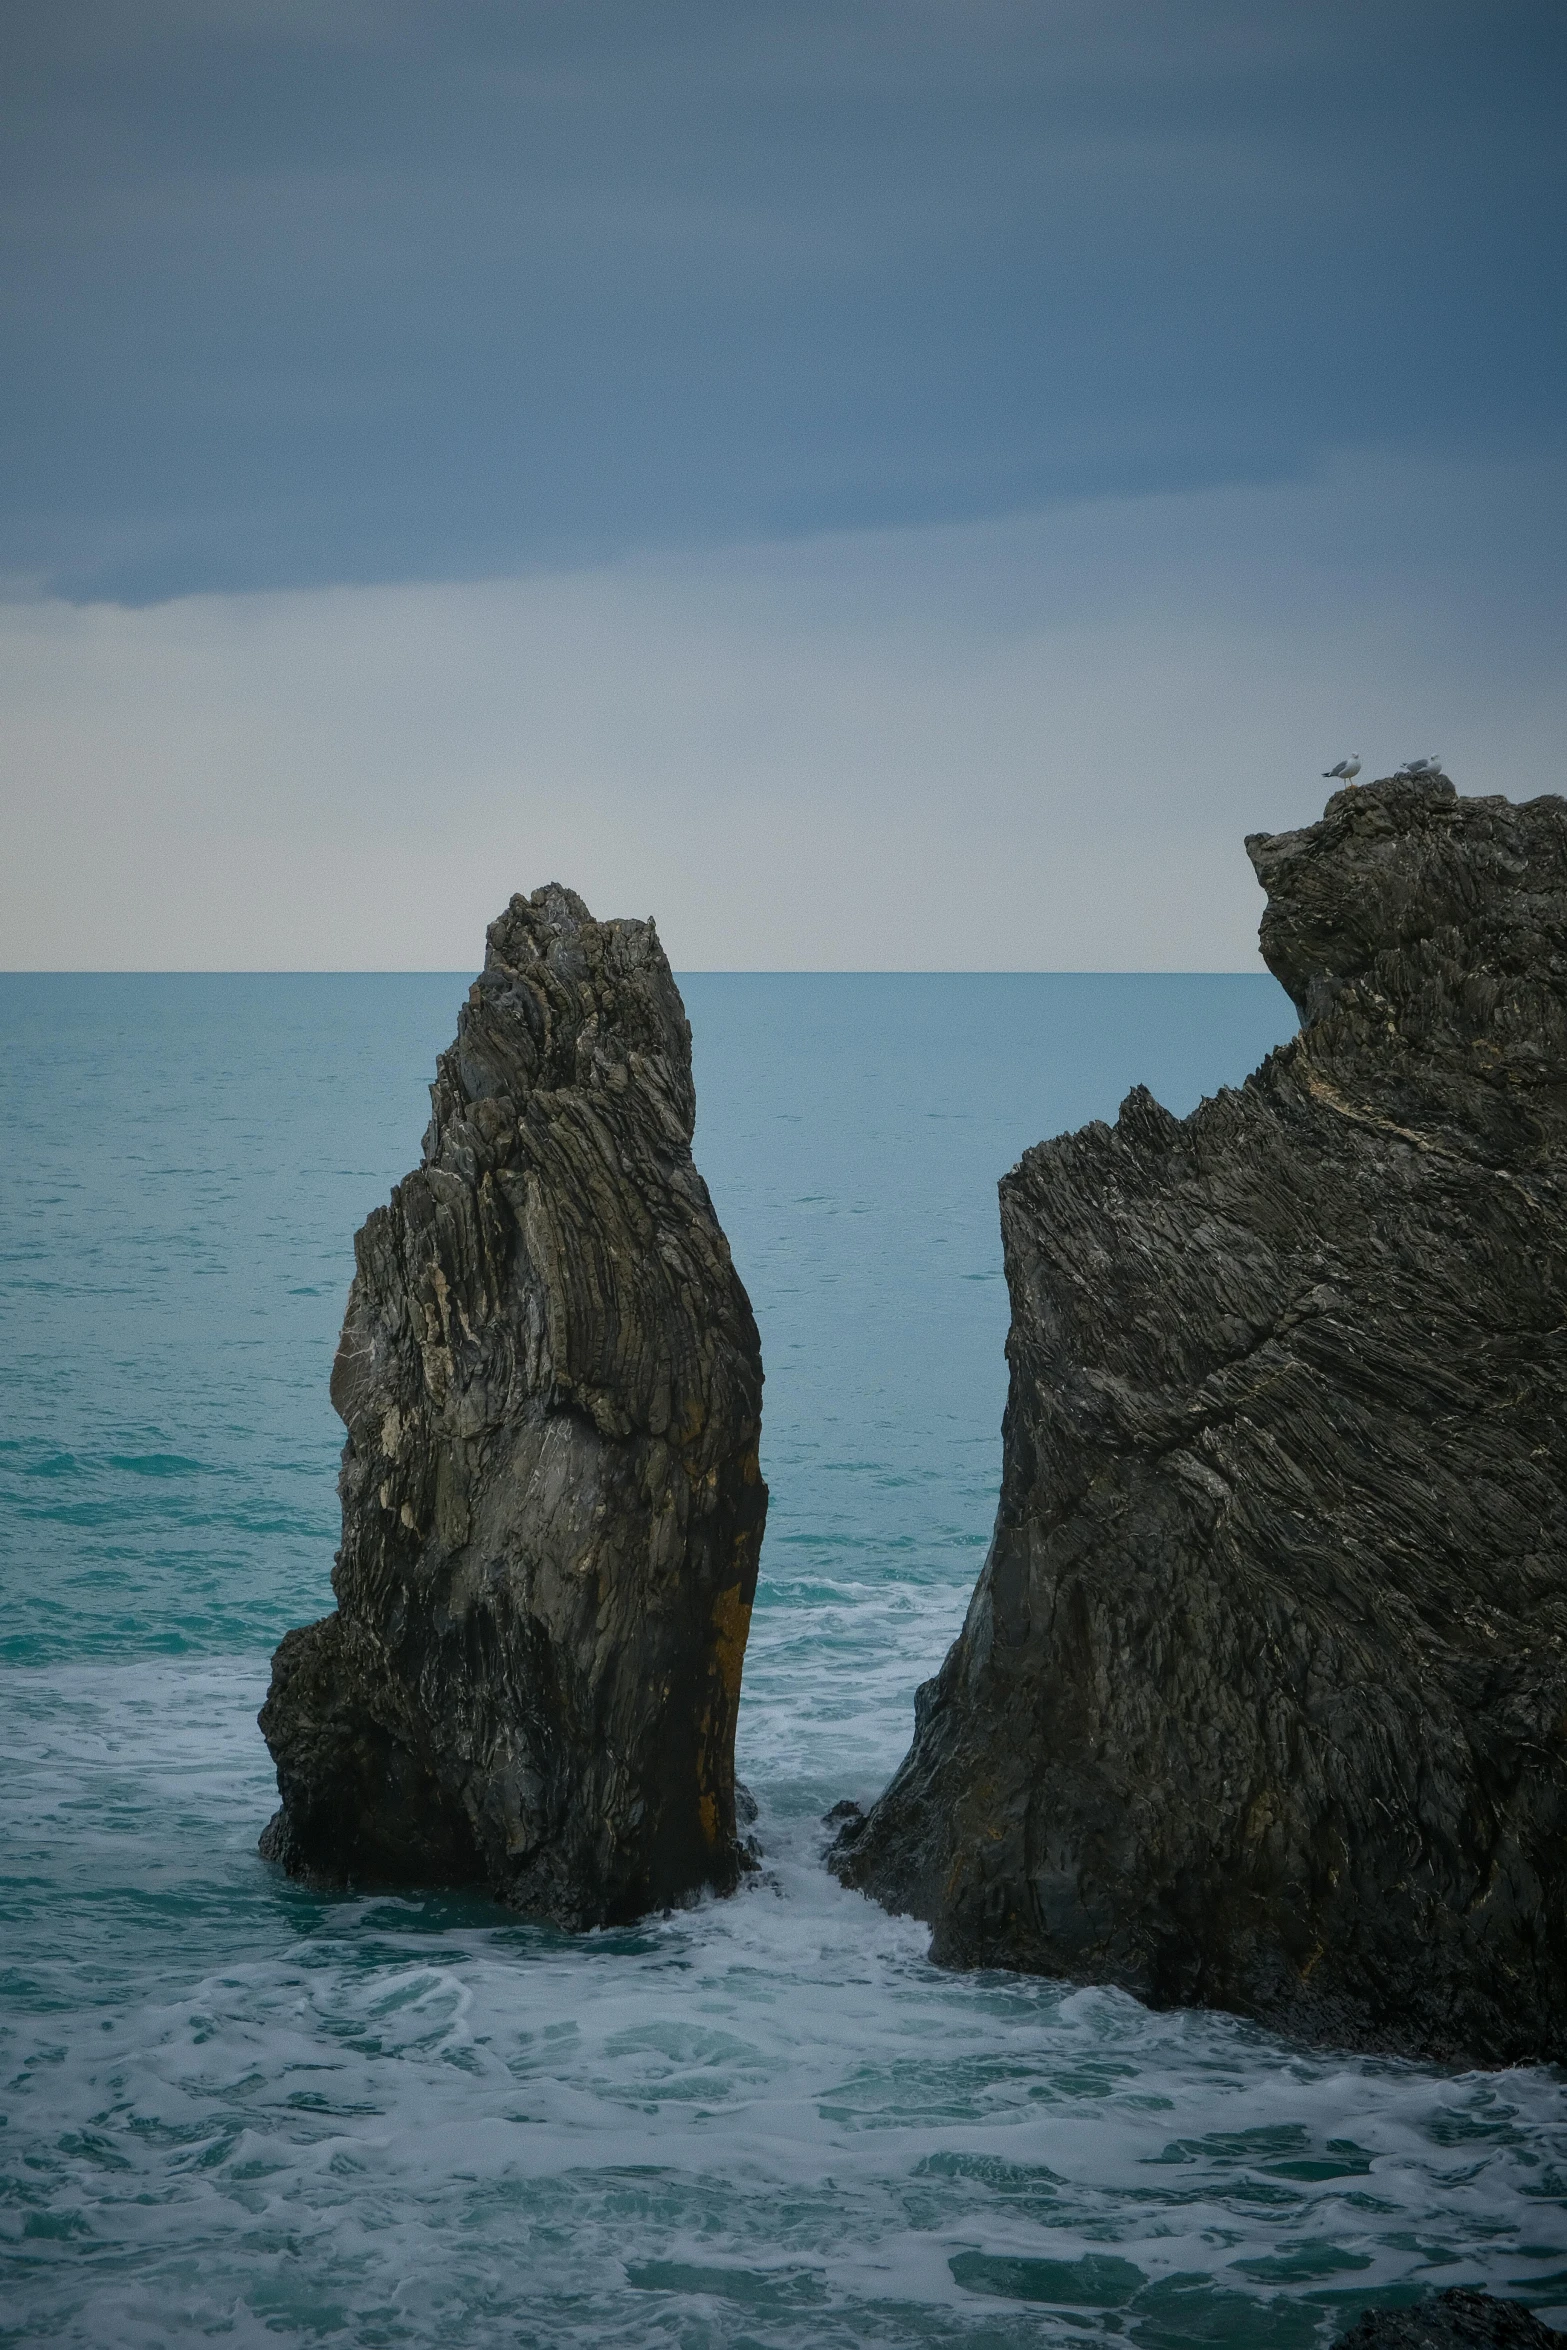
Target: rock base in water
[(1454, 2320)]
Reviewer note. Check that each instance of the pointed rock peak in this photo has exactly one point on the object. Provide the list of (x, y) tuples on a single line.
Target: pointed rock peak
[(1403, 860)]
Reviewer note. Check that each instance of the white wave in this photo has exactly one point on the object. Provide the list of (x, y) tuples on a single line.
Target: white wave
[(236, 2111)]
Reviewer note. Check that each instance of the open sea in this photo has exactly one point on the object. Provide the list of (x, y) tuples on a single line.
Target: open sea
[(235, 2112)]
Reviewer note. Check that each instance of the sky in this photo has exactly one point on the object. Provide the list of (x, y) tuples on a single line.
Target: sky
[(874, 485)]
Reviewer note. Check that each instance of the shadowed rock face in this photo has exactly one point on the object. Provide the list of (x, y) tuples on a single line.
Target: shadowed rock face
[(1454, 2320), (552, 1509), (1261, 1700)]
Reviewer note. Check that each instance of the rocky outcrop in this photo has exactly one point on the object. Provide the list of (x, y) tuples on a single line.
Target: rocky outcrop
[(1261, 1700), (1454, 2320), (552, 1508)]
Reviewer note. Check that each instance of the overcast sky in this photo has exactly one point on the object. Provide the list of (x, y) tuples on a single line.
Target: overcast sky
[(870, 484)]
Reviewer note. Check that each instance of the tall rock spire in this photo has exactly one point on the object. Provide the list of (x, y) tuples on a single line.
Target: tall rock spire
[(552, 1507)]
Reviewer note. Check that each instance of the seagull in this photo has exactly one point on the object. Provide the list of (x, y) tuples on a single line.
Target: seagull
[(1345, 772), (1431, 766)]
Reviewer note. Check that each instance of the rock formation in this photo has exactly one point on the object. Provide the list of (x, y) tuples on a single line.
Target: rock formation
[(552, 1509), (1261, 1700), (1454, 2320)]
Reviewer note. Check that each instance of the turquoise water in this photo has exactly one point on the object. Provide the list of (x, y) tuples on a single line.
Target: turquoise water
[(232, 2111)]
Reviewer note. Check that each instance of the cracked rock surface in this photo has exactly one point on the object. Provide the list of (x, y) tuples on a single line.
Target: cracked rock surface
[(1261, 1700), (552, 1509), (1455, 2320)]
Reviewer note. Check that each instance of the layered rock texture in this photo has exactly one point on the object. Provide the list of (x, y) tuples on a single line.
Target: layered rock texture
[(552, 1509), (1261, 1701), (1454, 2320)]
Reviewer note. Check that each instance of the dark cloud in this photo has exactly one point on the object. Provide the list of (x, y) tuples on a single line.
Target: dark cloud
[(306, 290)]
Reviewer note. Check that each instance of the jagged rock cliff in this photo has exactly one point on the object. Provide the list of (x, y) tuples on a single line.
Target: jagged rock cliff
[(552, 1509), (1261, 1701)]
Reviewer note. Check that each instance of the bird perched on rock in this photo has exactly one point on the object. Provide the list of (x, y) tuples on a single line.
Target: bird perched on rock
[(1431, 766), (1345, 772)]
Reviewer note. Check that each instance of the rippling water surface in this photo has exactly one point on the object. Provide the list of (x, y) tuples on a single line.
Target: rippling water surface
[(234, 2111)]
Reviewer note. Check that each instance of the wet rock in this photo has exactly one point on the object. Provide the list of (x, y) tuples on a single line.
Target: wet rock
[(552, 1509), (1261, 1700), (1454, 2320)]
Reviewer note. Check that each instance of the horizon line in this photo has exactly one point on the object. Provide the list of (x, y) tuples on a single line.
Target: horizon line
[(686, 971)]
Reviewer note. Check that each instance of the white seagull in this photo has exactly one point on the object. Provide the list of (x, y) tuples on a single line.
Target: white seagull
[(1345, 772), (1431, 766)]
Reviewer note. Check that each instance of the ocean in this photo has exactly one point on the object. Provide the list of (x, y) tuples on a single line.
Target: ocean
[(233, 2111)]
